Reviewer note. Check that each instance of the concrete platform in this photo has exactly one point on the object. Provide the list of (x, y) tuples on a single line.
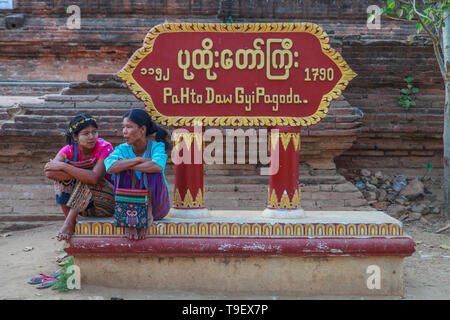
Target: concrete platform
[(322, 253)]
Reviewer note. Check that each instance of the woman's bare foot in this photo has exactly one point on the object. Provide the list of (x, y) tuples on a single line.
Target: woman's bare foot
[(142, 233), (138, 234), (66, 231), (131, 233)]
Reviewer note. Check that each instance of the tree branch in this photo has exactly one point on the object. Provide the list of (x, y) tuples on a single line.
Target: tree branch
[(414, 8), (427, 30), (436, 43), (443, 19), (395, 18), (440, 61)]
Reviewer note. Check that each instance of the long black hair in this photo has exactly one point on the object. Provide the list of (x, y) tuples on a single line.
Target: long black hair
[(141, 118), (77, 124)]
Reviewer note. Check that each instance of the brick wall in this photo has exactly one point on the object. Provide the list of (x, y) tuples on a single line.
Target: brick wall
[(393, 138), (45, 50), (31, 132)]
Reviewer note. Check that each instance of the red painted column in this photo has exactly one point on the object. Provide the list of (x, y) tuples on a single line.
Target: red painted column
[(284, 192), (188, 193)]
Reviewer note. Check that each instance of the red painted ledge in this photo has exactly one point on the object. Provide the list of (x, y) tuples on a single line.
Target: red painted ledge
[(240, 246)]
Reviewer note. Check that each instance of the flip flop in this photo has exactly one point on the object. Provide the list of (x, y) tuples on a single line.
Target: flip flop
[(48, 282), (61, 257), (63, 263), (40, 277)]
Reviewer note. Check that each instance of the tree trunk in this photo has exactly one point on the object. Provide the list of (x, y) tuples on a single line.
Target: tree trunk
[(446, 135)]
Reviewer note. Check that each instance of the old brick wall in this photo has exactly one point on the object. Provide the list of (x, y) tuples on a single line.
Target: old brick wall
[(31, 132), (393, 138), (390, 138)]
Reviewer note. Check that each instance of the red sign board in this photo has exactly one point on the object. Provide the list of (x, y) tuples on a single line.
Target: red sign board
[(237, 74)]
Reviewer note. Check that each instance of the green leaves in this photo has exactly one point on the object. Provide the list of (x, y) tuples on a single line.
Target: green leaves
[(228, 19), (391, 4), (429, 12), (388, 11), (428, 166), (407, 97), (419, 27), (410, 15)]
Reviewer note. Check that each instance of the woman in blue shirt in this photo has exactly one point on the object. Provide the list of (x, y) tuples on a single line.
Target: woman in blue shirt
[(137, 156)]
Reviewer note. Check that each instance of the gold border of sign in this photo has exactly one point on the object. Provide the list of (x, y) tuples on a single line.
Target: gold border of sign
[(126, 74)]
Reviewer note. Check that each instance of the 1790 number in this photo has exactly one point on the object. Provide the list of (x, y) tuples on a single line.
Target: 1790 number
[(321, 74)]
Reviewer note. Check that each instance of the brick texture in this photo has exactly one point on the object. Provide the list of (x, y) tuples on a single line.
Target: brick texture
[(370, 131)]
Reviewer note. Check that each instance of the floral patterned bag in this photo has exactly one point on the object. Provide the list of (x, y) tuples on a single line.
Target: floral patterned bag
[(131, 205)]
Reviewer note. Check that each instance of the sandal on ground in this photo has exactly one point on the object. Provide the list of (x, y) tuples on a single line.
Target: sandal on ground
[(63, 263), (48, 282), (40, 277)]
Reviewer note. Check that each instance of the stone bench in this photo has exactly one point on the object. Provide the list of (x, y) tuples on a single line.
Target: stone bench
[(322, 253)]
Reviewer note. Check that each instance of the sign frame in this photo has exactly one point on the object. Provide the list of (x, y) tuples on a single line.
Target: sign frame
[(126, 74)]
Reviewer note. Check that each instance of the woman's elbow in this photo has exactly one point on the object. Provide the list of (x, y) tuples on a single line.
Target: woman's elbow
[(49, 175), (97, 179)]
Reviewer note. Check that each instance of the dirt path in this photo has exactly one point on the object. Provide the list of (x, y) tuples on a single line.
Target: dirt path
[(426, 272)]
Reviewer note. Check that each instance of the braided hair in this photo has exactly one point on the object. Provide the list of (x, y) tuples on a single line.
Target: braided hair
[(141, 118), (77, 124)]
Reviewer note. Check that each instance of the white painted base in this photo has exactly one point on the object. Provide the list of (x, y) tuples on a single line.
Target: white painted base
[(283, 213), (189, 213)]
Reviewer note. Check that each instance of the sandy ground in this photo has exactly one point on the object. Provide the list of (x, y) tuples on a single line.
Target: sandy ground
[(426, 272)]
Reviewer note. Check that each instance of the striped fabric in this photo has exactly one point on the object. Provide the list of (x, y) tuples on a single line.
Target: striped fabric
[(131, 195)]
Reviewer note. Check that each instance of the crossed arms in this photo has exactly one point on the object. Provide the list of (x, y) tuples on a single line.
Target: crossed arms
[(138, 163)]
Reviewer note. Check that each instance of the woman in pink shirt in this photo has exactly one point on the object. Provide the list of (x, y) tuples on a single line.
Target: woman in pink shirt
[(78, 170)]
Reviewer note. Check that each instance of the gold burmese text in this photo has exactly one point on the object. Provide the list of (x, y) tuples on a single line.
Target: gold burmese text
[(276, 56)]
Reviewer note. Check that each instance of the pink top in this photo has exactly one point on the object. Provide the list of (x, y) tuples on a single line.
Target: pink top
[(102, 150)]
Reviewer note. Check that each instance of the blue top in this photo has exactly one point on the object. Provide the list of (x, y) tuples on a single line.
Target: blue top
[(157, 155)]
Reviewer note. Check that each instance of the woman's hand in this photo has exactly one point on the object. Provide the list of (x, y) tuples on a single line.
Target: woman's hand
[(53, 171), (140, 160), (54, 165), (125, 164), (147, 165)]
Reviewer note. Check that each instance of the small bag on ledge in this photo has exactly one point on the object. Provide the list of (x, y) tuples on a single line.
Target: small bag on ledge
[(131, 205)]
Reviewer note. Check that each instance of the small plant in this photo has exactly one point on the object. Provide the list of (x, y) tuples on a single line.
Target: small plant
[(429, 167), (228, 19), (407, 97)]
